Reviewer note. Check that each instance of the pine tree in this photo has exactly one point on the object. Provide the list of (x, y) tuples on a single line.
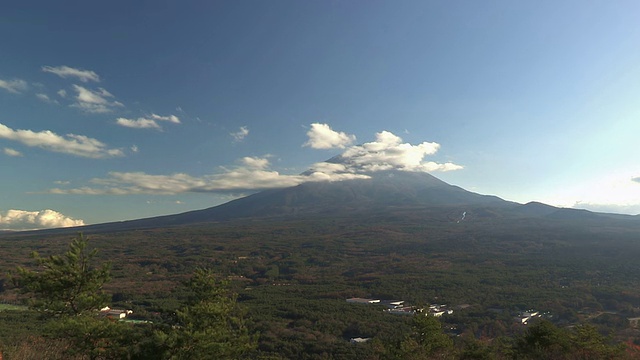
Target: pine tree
[(67, 289), (65, 284), (209, 326)]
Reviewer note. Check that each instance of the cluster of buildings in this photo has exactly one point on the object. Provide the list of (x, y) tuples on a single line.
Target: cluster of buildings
[(525, 316), (116, 314), (398, 307)]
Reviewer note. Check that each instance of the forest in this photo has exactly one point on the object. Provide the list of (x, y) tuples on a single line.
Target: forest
[(280, 287)]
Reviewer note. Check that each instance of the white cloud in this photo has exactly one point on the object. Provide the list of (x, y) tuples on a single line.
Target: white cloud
[(66, 72), (321, 136), (253, 174), (46, 98), (171, 118), (62, 93), (12, 152), (150, 122), (240, 134), (325, 171), (94, 101), (140, 123), (31, 220), (255, 162), (78, 145), (388, 152), (134, 148), (15, 86)]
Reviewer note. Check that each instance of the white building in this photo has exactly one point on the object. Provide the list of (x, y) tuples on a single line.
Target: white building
[(363, 301)]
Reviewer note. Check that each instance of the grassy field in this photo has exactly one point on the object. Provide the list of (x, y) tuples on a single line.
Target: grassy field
[(10, 307)]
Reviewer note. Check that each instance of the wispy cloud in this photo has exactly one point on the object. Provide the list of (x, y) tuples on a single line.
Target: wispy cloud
[(252, 174), (46, 98), (240, 134), (14, 86), (95, 101), (170, 118), (31, 220), (69, 72), (78, 145), (12, 152), (149, 122), (321, 136), (139, 123)]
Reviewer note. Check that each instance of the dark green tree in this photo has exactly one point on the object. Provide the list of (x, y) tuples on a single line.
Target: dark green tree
[(209, 326), (476, 350), (65, 284), (68, 290), (542, 340), (426, 341), (588, 343)]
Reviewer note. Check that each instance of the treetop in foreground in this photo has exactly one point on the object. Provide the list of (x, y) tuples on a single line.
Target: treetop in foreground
[(66, 284)]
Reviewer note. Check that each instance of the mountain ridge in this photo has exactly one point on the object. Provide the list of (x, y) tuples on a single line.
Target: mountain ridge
[(388, 190)]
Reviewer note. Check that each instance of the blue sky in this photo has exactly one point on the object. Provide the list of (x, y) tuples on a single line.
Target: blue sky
[(122, 110)]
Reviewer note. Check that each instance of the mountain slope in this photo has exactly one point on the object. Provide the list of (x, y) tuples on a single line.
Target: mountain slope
[(384, 189)]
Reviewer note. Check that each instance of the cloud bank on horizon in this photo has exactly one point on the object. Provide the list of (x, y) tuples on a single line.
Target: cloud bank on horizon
[(615, 192), (34, 220)]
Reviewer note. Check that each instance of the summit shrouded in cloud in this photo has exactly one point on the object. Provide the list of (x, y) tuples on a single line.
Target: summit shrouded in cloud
[(185, 105), (387, 152)]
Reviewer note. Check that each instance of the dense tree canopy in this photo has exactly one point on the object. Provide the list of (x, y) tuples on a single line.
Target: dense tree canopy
[(68, 290)]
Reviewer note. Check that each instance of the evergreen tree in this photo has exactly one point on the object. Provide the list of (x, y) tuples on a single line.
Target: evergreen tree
[(209, 326), (542, 339), (426, 341), (65, 284), (67, 289)]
